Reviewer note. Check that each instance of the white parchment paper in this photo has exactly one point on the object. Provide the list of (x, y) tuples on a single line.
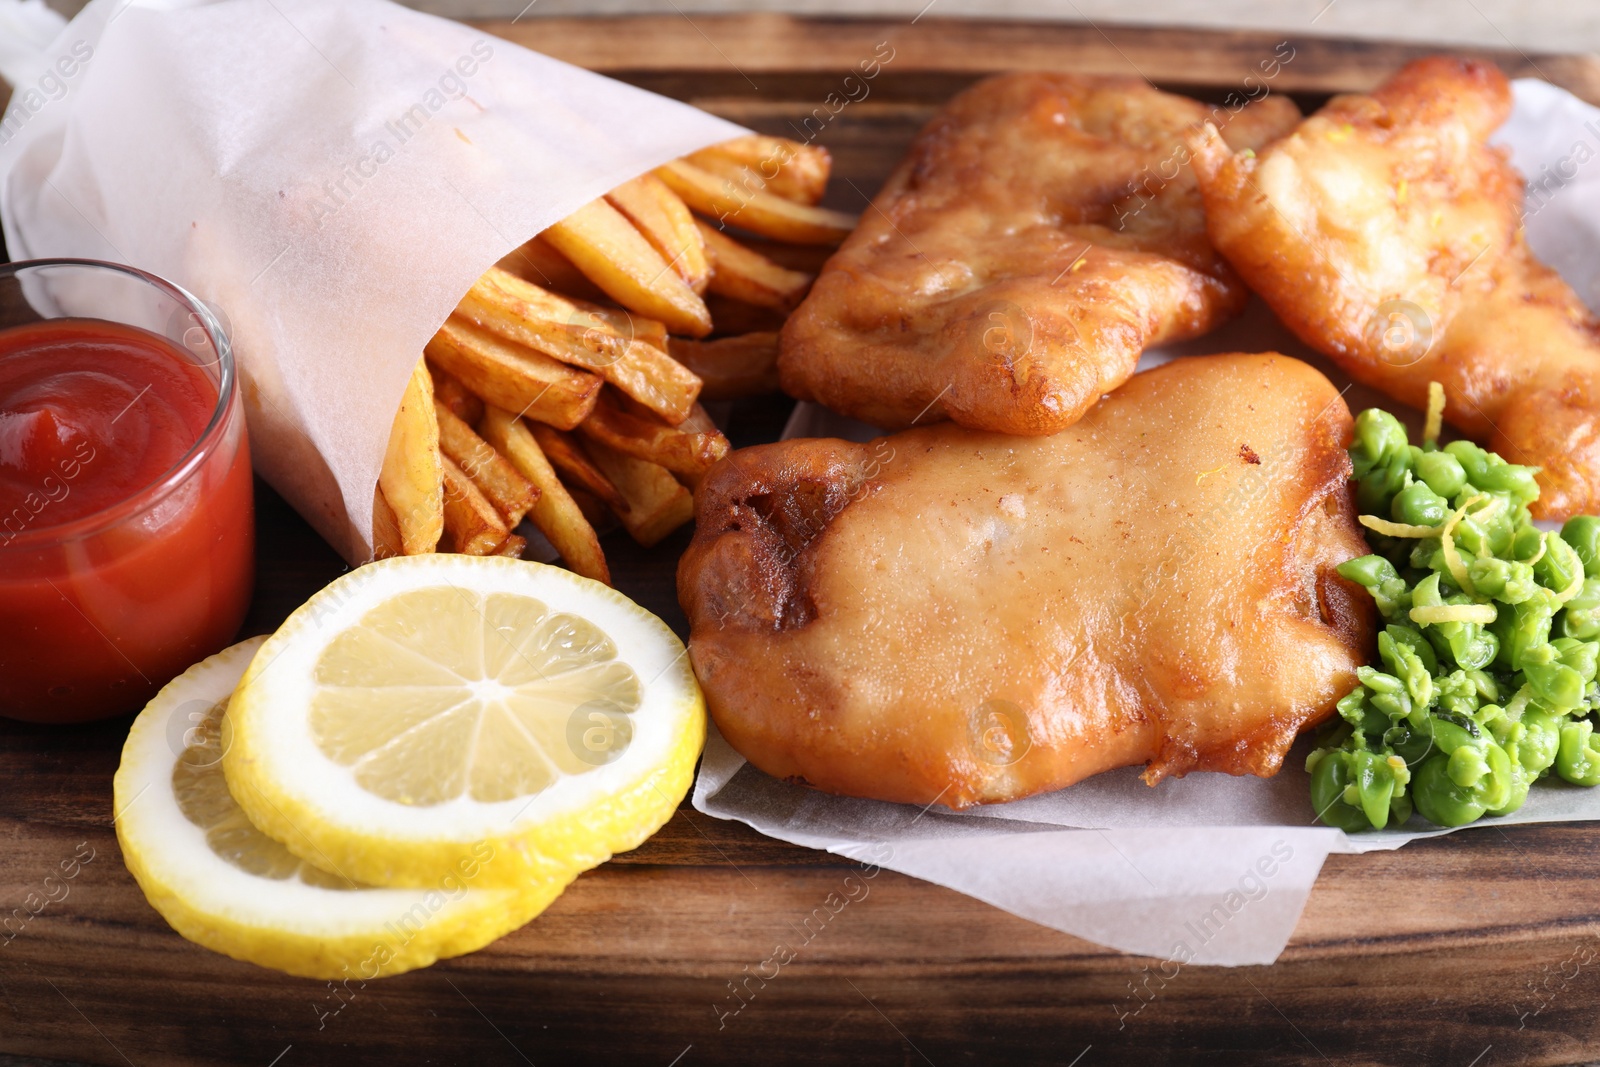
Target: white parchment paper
[(1208, 868), (331, 176)]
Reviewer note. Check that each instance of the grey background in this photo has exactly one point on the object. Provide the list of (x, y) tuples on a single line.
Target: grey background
[(1533, 25)]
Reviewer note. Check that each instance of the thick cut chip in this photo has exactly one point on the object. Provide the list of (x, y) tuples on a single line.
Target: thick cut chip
[(412, 478)]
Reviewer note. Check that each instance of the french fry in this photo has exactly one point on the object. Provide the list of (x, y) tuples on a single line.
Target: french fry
[(535, 261), (651, 331), (783, 167), (449, 391), (742, 273), (524, 359), (736, 317), (385, 528), (731, 367), (645, 437), (472, 526), (494, 475), (755, 210), (661, 216), (699, 421), (657, 504), (513, 375), (520, 311), (411, 478), (603, 244), (568, 457), (555, 513), (807, 259), (600, 517)]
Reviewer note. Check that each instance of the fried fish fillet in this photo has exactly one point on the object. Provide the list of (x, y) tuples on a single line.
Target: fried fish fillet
[(1386, 232), (952, 615), (1043, 230)]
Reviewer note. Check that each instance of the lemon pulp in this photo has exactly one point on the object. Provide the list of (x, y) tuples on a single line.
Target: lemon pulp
[(201, 791), (424, 710)]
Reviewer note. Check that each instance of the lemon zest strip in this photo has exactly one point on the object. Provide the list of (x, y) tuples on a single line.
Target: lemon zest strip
[(1398, 529), (1482, 614)]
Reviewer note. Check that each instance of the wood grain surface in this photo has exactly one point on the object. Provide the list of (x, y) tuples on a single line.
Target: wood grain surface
[(1470, 950)]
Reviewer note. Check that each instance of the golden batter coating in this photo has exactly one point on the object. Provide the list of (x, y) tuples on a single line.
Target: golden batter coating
[(1386, 233), (946, 614), (1042, 232)]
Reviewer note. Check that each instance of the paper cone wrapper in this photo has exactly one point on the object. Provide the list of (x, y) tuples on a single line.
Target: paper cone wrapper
[(330, 178)]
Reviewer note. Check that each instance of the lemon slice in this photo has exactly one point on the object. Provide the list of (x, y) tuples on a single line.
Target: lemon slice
[(427, 711), (224, 884)]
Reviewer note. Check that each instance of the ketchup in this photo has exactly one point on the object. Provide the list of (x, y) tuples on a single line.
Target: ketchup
[(126, 526)]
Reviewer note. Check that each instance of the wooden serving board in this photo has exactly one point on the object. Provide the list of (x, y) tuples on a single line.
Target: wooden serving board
[(1473, 949)]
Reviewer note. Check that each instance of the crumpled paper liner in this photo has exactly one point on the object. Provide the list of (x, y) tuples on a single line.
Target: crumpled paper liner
[(332, 177), (1208, 868)]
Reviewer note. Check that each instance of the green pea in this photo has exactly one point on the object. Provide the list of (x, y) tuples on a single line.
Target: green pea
[(1377, 488), (1410, 744), (1449, 736), (1440, 800), (1426, 594), (1578, 758), (1483, 767), (1353, 706), (1509, 478), (1357, 709), (1522, 627), (1410, 637), (1386, 586), (1329, 780), (1468, 765), (1410, 659), (1367, 571), (1560, 566), (1520, 584), (1473, 459), (1499, 527), (1540, 740), (1458, 694), (1427, 555), (1375, 783), (1442, 471), (1472, 536), (1581, 616), (1468, 644), (1581, 656), (1419, 505), (1387, 693), (1582, 532), (1379, 440), (1517, 793), (1555, 684), (1489, 576)]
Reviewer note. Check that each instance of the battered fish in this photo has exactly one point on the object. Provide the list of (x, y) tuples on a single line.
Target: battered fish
[(1043, 230), (968, 617), (1386, 233)]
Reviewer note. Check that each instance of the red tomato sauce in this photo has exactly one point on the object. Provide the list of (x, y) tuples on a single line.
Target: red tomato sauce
[(125, 555)]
